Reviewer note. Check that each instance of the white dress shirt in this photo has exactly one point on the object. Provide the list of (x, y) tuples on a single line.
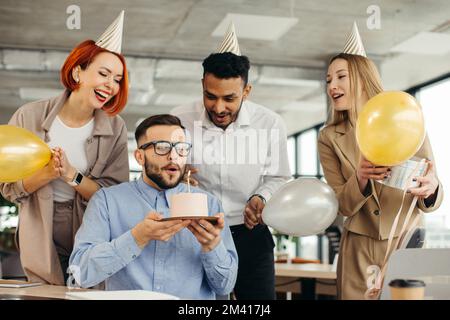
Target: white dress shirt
[(249, 157)]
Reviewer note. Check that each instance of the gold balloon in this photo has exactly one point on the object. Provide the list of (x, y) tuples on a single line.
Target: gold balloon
[(22, 153), (390, 128)]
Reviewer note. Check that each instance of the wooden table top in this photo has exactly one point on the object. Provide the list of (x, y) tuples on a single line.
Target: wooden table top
[(305, 270), (43, 292)]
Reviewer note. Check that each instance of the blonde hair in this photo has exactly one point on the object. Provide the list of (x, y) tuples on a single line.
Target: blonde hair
[(363, 75)]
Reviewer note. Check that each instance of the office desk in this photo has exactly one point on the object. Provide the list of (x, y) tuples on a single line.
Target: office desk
[(39, 292), (307, 274)]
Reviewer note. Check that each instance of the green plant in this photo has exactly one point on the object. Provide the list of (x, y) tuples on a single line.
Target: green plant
[(7, 243), (4, 202), (281, 238), (8, 213), (8, 218)]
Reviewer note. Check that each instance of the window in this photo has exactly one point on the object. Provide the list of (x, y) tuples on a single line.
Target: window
[(135, 168), (291, 154), (304, 162), (307, 153), (434, 99), (303, 156)]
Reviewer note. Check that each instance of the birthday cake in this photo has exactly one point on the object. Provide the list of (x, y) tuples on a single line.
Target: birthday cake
[(189, 205)]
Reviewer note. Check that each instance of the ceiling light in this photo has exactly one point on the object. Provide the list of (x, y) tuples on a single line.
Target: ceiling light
[(255, 27), (425, 43)]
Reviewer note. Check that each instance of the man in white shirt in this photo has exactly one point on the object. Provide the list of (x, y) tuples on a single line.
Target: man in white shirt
[(240, 152)]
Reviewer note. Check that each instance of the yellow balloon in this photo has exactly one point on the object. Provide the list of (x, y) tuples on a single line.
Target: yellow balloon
[(390, 128), (22, 153)]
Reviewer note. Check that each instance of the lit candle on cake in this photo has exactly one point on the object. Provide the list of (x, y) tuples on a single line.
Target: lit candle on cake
[(187, 204)]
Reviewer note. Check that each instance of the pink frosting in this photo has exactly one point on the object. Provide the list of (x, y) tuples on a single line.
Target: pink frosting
[(189, 204)]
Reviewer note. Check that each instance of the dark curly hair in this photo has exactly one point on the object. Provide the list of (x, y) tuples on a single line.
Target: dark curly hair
[(227, 65)]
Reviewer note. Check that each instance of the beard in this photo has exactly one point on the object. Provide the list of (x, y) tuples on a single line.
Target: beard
[(233, 116), (154, 173)]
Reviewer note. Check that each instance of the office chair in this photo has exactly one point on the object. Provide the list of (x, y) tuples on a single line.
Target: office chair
[(415, 238)]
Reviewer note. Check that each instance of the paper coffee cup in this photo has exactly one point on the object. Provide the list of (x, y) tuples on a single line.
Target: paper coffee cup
[(402, 289)]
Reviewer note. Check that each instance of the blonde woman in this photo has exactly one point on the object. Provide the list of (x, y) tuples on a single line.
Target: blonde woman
[(370, 207)]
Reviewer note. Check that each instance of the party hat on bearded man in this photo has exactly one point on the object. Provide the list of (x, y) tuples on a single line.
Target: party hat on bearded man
[(230, 42)]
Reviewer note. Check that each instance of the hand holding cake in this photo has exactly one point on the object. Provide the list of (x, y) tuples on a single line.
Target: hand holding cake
[(207, 234), (152, 229)]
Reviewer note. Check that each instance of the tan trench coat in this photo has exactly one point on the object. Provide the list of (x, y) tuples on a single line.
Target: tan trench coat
[(369, 218), (107, 156)]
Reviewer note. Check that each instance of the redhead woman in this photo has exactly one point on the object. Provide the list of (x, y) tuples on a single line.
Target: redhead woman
[(89, 143), (369, 206)]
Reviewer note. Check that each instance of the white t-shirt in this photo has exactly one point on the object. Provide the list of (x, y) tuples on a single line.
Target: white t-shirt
[(72, 141)]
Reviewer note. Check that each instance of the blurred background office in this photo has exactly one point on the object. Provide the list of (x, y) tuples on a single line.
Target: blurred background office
[(288, 42)]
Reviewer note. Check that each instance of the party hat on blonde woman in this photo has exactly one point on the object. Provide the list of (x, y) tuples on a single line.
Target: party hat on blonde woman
[(230, 42), (111, 39), (354, 44)]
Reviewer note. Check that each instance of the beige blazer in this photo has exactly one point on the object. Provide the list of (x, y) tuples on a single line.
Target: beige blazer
[(107, 155), (373, 215)]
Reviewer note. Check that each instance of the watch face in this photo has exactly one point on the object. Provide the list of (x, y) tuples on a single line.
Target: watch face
[(78, 178)]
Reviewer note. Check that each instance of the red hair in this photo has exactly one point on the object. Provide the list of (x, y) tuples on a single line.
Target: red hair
[(82, 55)]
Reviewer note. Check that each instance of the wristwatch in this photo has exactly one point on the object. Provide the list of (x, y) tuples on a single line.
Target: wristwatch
[(76, 179), (259, 196)]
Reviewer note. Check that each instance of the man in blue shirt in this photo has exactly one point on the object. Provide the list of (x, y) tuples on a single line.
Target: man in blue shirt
[(123, 241)]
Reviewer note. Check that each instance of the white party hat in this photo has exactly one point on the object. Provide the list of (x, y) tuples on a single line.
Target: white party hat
[(354, 44), (111, 39), (230, 42)]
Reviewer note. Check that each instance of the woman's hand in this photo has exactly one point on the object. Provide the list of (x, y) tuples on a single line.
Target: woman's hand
[(45, 175), (52, 170), (428, 184), (367, 170), (66, 169), (87, 187)]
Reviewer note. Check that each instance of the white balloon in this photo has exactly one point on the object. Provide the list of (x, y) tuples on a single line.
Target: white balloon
[(302, 207)]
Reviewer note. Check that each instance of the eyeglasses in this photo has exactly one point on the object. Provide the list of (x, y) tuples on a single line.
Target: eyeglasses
[(165, 147)]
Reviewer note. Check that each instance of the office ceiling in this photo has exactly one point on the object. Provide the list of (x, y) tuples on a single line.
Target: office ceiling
[(165, 41)]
